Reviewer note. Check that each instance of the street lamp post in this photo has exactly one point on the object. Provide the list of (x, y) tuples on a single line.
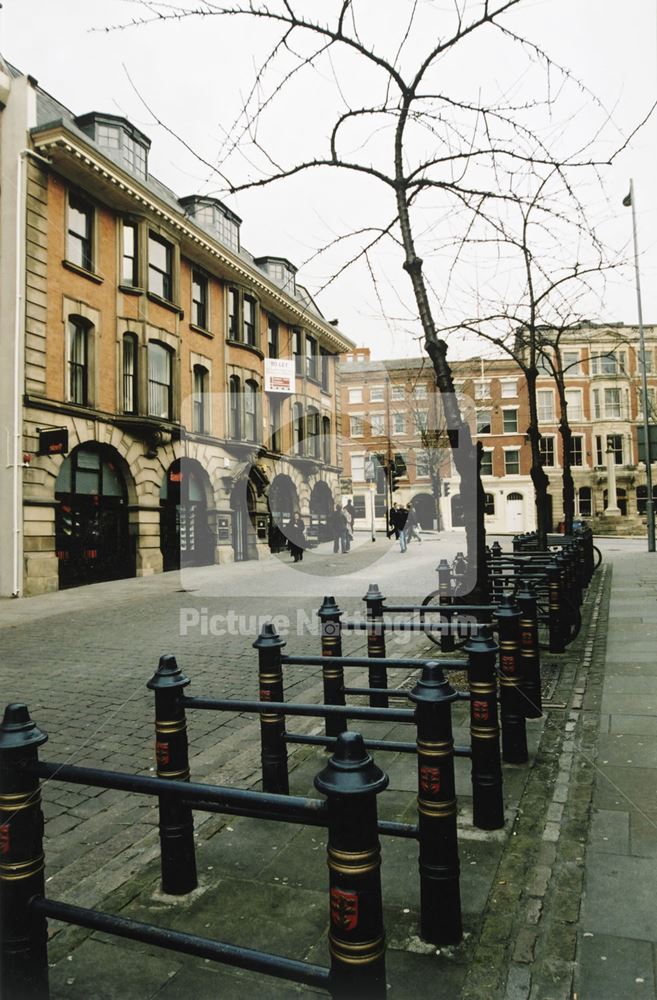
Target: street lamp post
[(650, 512), (370, 477)]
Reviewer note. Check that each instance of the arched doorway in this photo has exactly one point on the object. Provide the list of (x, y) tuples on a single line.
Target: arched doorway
[(458, 516), (185, 538), (91, 519), (283, 501), (321, 508), (515, 512), (424, 505), (243, 505)]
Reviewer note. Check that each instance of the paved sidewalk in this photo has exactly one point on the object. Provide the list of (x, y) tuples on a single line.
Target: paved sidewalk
[(617, 938)]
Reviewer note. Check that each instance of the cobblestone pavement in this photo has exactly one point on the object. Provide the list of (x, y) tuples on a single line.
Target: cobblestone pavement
[(80, 659)]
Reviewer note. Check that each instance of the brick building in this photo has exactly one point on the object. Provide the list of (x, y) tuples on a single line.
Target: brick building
[(383, 400), (171, 399)]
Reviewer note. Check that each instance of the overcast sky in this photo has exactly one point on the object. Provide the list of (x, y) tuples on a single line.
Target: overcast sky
[(192, 76)]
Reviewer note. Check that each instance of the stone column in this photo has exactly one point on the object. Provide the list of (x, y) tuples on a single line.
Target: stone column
[(612, 509)]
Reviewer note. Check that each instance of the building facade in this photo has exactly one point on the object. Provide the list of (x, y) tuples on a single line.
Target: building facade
[(386, 405), (171, 399)]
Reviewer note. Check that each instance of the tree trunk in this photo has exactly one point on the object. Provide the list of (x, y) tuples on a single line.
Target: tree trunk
[(568, 483), (538, 476)]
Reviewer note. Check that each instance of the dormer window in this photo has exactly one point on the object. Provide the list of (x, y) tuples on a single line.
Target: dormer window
[(280, 271), (119, 139), (213, 215)]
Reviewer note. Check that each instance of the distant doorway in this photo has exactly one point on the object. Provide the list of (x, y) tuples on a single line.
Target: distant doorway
[(283, 501), (424, 505), (515, 512), (243, 503), (91, 519), (185, 539), (321, 508)]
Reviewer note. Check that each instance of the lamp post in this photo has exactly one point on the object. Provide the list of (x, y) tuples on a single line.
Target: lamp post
[(370, 477), (650, 512)]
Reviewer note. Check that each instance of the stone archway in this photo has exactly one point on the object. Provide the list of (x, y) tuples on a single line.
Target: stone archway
[(320, 509), (92, 536), (424, 505), (185, 535), (283, 500)]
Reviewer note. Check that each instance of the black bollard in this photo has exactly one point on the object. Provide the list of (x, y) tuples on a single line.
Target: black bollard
[(351, 782), (487, 794), (556, 643), (530, 656), (440, 897), (177, 852), (514, 730), (23, 934), (376, 644), (332, 676), (272, 724), (447, 640)]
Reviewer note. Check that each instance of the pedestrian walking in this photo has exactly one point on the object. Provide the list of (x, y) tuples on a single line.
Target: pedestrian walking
[(412, 526), (402, 515), (338, 523), (296, 533), (393, 521)]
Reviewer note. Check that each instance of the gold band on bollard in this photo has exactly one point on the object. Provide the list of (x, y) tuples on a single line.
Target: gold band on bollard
[(441, 748), (163, 726), (14, 871), (353, 863), (362, 953), (437, 809)]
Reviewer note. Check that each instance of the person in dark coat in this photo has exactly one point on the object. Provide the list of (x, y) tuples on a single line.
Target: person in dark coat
[(338, 524), (412, 526), (400, 525), (296, 533)]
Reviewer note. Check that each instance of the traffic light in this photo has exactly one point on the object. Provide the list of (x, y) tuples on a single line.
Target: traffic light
[(394, 476)]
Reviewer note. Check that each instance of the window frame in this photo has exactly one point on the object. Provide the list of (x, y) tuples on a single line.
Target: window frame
[(545, 393), (199, 310), (85, 242), (250, 326), (377, 420), (78, 382), (165, 276), (312, 357), (489, 411), (250, 415), (507, 453), (234, 407), (487, 453), (356, 428), (298, 429), (154, 347), (130, 378), (351, 398), (200, 396), (551, 451), (132, 280), (273, 336), (377, 398), (505, 411), (577, 439)]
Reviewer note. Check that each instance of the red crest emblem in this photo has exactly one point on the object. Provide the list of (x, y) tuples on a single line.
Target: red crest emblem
[(430, 780), (480, 711), (509, 664), (4, 839), (265, 694), (344, 909), (526, 637), (162, 754)]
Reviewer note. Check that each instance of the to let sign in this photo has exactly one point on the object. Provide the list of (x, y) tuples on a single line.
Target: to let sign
[(279, 375), (53, 442)]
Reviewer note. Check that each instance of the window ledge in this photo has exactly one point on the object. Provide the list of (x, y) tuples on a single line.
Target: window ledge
[(171, 306), (202, 330), (83, 272), (132, 289), (246, 347)]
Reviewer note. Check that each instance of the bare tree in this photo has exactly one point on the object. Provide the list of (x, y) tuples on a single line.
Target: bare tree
[(398, 119)]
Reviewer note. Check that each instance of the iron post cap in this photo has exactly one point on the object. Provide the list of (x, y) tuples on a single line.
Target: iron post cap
[(351, 770), (329, 608), (507, 607), (482, 642), (526, 590), (268, 638), (168, 675), (432, 686), (17, 729), (443, 564), (373, 593), (496, 548)]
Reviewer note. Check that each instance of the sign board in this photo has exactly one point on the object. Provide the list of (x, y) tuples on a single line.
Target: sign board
[(53, 442), (346, 485), (652, 429), (279, 374)]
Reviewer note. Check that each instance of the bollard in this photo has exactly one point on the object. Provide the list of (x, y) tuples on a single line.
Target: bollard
[(530, 656), (332, 676), (556, 643), (376, 644), (177, 852), (487, 795), (272, 724), (351, 782), (564, 614), (23, 934), (447, 641), (440, 897), (514, 730)]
